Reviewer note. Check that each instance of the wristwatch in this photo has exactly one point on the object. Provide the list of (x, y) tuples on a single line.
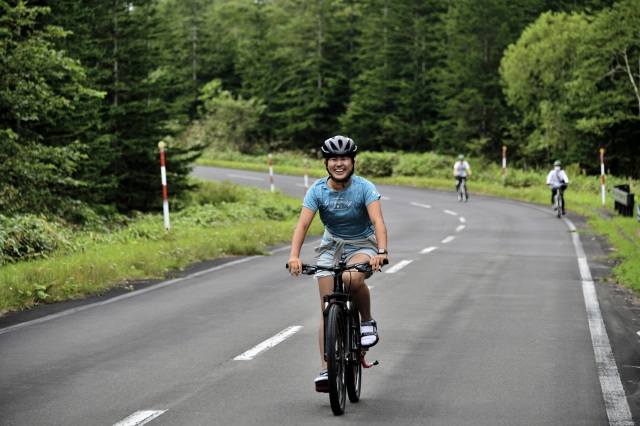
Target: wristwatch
[(383, 251)]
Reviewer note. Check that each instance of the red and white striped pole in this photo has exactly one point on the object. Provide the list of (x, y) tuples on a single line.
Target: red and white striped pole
[(504, 163), (163, 172), (602, 174), (306, 177), (273, 188)]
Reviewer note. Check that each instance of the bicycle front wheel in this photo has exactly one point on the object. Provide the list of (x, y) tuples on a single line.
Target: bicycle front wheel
[(336, 360), (354, 366)]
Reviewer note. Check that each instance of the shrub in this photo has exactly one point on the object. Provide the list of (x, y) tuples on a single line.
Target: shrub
[(31, 237), (374, 164), (424, 165)]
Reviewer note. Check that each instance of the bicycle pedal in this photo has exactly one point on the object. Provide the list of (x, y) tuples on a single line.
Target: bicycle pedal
[(365, 364)]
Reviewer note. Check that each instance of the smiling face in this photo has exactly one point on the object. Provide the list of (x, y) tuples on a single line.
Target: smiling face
[(339, 168)]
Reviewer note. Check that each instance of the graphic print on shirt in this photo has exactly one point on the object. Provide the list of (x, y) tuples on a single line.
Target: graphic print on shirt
[(339, 204)]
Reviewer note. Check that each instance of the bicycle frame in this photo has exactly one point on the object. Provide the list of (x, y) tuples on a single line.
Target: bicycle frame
[(462, 189), (342, 298), (559, 202), (343, 350)]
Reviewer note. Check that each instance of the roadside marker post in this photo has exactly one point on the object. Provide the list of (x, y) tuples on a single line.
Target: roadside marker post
[(163, 173), (273, 188), (306, 177), (504, 164), (602, 174)]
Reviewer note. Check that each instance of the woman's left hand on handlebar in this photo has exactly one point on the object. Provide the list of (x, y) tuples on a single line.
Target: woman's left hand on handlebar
[(377, 262)]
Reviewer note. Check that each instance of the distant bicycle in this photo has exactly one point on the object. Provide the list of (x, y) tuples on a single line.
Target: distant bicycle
[(343, 350), (462, 190), (560, 202)]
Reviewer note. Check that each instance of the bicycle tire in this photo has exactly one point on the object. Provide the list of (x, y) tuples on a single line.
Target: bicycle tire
[(336, 360), (354, 366), (559, 204)]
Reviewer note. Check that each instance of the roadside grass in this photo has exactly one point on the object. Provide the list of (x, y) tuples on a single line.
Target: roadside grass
[(624, 235), (252, 220)]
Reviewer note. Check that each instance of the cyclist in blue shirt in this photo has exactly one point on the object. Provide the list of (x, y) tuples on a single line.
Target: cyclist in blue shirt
[(355, 232)]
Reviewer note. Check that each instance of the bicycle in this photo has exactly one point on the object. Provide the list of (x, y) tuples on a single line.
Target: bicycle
[(462, 190), (560, 202), (343, 350)]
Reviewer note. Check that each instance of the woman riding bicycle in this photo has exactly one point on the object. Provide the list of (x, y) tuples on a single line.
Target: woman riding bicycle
[(557, 180), (355, 232)]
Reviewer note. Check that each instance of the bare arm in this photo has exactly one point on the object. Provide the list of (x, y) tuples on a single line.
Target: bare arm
[(306, 217), (375, 215)]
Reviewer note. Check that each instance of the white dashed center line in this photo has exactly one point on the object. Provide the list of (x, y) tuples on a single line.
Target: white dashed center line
[(140, 418), (269, 343)]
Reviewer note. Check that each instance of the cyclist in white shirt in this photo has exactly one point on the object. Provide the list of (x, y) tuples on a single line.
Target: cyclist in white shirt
[(557, 180), (460, 170)]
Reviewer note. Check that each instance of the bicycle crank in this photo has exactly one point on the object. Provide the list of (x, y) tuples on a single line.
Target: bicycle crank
[(365, 364)]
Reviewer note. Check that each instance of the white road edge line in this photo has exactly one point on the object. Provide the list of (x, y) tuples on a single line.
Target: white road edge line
[(452, 213), (395, 268), (448, 239), (615, 400), (269, 343), (140, 418)]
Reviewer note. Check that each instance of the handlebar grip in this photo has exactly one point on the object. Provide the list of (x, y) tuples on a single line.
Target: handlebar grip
[(385, 262)]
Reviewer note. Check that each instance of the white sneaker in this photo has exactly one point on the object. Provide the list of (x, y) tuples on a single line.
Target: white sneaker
[(369, 333), (322, 381)]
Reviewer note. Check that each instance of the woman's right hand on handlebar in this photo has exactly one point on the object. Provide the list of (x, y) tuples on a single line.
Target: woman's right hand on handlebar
[(295, 265)]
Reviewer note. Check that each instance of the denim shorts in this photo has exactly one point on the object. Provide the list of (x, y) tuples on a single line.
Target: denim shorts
[(326, 258)]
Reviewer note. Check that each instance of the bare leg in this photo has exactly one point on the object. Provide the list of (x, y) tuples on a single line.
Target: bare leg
[(359, 290)]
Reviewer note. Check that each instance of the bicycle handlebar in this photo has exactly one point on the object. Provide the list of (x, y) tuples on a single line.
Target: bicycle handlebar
[(308, 269)]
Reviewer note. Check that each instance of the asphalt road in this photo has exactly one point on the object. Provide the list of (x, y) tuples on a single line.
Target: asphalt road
[(492, 312)]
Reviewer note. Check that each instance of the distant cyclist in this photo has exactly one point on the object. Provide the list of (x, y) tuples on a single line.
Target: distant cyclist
[(557, 179), (461, 170), (349, 208)]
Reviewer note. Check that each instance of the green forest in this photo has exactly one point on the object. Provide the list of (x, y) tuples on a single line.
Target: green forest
[(89, 87)]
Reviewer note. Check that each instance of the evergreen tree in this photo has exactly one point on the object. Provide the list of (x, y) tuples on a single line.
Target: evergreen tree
[(296, 61), (392, 104), (39, 88)]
